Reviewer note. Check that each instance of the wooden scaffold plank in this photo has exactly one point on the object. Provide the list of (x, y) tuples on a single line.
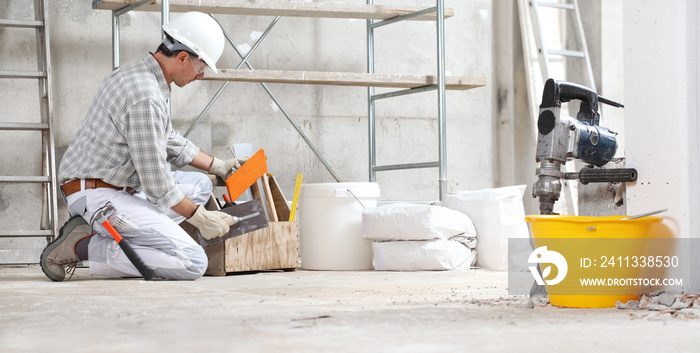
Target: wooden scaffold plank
[(276, 8), (344, 79)]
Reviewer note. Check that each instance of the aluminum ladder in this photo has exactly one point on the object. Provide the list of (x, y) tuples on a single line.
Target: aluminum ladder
[(48, 227), (569, 7)]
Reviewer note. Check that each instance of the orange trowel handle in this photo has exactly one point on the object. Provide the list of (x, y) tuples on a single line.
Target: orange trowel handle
[(246, 175)]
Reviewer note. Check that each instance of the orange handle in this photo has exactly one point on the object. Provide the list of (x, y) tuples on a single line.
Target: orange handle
[(146, 272), (112, 231)]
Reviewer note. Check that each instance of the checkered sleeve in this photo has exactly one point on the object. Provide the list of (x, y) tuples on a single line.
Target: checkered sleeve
[(181, 151), (147, 136)]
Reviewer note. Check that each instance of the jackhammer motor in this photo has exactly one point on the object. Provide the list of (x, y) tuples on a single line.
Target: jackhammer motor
[(563, 138)]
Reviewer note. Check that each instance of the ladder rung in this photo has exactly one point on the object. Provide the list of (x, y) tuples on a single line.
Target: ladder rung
[(555, 5), (21, 23), (25, 233), (380, 168), (22, 74), (24, 126), (24, 179), (571, 53)]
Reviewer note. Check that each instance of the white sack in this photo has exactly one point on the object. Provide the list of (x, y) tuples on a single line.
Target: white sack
[(404, 221), (498, 214), (424, 255)]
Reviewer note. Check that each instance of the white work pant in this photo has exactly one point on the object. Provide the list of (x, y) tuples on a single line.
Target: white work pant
[(159, 241)]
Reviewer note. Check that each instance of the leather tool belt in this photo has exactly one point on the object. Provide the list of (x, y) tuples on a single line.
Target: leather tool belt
[(72, 187)]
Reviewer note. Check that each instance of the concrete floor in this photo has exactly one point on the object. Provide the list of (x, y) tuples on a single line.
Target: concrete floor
[(313, 311)]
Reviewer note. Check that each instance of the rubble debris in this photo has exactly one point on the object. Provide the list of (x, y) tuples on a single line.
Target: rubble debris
[(657, 307), (666, 299), (529, 304), (537, 301), (630, 305), (664, 306), (660, 317), (678, 305), (643, 302), (524, 302), (689, 313)]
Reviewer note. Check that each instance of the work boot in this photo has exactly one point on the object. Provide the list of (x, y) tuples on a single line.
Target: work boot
[(60, 253)]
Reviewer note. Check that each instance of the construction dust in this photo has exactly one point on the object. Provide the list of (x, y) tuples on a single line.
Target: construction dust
[(660, 305)]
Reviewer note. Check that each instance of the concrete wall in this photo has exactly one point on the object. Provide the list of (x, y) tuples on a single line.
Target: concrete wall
[(334, 118), (662, 113), (512, 121)]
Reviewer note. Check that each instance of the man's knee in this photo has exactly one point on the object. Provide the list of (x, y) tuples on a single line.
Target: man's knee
[(204, 181), (197, 186), (198, 265), (199, 261)]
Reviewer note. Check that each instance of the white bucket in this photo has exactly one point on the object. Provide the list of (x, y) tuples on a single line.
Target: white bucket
[(330, 224)]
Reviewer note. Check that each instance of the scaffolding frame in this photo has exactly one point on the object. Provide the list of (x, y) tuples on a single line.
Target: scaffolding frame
[(439, 11), (441, 164)]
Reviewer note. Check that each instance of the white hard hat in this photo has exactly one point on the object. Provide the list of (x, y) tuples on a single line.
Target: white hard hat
[(200, 34)]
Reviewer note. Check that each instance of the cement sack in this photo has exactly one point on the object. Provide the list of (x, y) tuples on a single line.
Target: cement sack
[(424, 255), (498, 214), (404, 221)]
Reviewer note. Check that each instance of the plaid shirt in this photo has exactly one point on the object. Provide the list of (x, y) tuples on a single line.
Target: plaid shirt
[(127, 138)]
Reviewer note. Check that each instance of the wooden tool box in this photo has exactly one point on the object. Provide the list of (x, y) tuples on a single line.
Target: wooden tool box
[(273, 248)]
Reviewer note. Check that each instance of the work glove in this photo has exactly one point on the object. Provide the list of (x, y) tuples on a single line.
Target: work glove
[(224, 168), (211, 224)]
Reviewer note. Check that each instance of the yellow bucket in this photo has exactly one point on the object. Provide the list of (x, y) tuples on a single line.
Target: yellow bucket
[(585, 232)]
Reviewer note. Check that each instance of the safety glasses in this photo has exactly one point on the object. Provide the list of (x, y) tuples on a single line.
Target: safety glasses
[(200, 68)]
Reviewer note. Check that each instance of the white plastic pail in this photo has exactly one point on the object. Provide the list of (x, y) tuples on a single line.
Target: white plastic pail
[(330, 224)]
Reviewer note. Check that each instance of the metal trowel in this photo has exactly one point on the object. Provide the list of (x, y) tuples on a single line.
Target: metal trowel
[(250, 216)]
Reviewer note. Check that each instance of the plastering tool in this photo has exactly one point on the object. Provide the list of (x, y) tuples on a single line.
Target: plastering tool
[(280, 200), (246, 175), (247, 217), (269, 199), (645, 214)]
